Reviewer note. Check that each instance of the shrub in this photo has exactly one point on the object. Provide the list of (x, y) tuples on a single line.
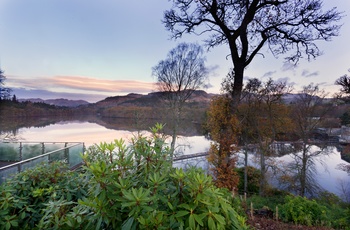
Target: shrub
[(24, 196), (336, 210), (129, 187), (301, 210), (253, 176), (135, 187)]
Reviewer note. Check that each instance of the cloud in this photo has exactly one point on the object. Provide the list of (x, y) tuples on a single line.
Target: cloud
[(208, 86), (212, 70), (288, 66), (73, 84), (283, 79), (269, 74), (306, 73)]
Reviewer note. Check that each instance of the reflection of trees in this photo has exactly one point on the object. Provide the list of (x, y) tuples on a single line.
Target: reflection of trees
[(308, 112), (186, 128), (9, 126), (9, 136), (12, 124), (345, 152), (299, 175), (344, 188)]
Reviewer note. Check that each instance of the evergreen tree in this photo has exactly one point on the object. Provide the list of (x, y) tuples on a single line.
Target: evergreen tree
[(5, 92)]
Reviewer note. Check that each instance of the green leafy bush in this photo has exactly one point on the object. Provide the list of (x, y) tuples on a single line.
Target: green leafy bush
[(23, 197), (301, 210), (136, 187), (337, 210), (253, 176), (121, 187)]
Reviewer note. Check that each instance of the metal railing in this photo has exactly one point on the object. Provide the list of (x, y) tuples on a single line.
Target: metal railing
[(17, 156)]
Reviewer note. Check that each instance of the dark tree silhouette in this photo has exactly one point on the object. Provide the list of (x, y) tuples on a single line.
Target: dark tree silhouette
[(5, 92), (289, 27), (344, 82)]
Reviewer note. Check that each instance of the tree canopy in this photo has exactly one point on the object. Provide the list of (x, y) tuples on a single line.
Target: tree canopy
[(5, 92), (182, 72), (344, 82), (289, 27)]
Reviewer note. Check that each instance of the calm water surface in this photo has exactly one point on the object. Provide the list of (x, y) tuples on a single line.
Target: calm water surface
[(328, 176), (92, 133)]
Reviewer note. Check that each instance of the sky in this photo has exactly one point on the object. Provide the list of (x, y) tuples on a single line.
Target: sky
[(92, 49)]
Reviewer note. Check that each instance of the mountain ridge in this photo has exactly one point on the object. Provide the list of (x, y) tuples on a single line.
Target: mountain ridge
[(135, 99), (57, 102)]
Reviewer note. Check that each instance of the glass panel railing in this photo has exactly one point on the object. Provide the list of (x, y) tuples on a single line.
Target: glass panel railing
[(9, 151), (18, 156)]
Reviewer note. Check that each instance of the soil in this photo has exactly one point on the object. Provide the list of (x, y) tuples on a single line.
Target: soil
[(263, 223)]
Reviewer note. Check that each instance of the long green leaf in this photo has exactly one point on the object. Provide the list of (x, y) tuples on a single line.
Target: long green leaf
[(181, 213), (127, 225)]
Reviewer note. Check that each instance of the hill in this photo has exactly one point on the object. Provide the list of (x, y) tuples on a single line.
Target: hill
[(57, 102), (150, 100)]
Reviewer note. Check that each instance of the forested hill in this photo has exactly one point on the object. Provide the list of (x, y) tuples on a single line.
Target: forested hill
[(57, 102), (149, 100), (150, 105), (131, 99)]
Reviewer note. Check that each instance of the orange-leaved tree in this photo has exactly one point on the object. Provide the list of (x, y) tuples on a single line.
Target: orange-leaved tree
[(223, 129)]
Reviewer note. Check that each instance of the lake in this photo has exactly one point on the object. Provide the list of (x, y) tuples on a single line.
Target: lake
[(90, 133)]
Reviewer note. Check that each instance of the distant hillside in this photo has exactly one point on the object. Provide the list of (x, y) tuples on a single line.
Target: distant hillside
[(57, 102), (291, 98), (151, 99)]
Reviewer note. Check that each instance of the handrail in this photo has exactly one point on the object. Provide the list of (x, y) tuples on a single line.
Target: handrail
[(42, 155), (190, 156), (50, 142)]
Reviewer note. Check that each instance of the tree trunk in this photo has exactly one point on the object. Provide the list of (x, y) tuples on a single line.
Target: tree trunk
[(237, 84)]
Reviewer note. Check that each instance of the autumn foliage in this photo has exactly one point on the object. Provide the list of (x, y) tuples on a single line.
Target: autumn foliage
[(223, 129)]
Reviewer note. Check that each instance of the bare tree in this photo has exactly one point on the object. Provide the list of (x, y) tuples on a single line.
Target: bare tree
[(178, 76), (288, 27)]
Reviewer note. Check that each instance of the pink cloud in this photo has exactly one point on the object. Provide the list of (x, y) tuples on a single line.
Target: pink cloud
[(83, 84)]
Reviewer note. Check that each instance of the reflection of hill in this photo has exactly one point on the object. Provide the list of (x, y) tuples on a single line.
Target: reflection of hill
[(11, 125), (131, 112), (187, 127)]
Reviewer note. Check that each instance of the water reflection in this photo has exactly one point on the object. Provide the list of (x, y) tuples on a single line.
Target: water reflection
[(92, 133), (91, 130), (327, 173), (12, 125)]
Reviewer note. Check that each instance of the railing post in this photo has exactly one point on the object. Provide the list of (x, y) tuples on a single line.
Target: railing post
[(43, 151), (20, 157), (66, 153)]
